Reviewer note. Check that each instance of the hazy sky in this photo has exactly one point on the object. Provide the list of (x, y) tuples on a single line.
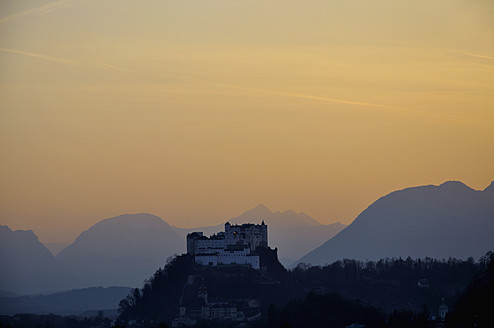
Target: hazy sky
[(197, 110)]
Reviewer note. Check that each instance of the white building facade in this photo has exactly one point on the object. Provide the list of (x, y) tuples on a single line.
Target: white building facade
[(236, 245)]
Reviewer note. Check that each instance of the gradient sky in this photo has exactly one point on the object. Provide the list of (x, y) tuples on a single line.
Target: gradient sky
[(198, 110)]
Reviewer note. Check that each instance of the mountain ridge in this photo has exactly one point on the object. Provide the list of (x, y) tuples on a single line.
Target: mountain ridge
[(20, 252), (489, 188), (104, 254), (408, 222)]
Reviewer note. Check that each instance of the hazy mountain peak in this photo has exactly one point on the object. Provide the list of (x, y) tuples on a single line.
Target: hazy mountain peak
[(24, 261), (24, 233), (490, 188), (427, 221), (132, 219), (262, 207), (26, 236), (286, 218), (292, 218), (5, 229), (260, 212), (454, 185), (122, 250), (125, 229)]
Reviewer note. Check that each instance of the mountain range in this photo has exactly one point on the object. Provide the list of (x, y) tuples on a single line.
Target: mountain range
[(450, 220), (127, 249)]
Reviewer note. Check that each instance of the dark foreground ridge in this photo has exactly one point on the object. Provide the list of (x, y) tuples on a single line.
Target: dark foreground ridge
[(387, 293), (186, 290)]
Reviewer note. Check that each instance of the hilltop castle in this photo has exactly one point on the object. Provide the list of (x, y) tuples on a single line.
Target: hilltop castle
[(236, 245)]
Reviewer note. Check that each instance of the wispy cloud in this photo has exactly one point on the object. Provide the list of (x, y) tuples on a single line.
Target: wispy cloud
[(117, 68), (41, 56), (335, 100), (42, 10), (376, 106), (461, 52), (371, 105), (468, 54), (291, 94), (413, 110), (65, 60)]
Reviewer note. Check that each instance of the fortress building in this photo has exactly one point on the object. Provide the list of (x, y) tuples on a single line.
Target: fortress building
[(236, 245)]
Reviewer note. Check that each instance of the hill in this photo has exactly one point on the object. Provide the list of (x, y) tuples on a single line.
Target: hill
[(26, 264), (473, 307), (122, 250), (66, 303), (178, 283), (450, 220)]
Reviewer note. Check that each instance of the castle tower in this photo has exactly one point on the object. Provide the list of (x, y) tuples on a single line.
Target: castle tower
[(264, 234), (191, 242)]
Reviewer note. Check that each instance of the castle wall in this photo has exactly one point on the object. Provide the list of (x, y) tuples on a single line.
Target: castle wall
[(247, 234), (234, 246), (191, 242), (204, 246), (214, 260)]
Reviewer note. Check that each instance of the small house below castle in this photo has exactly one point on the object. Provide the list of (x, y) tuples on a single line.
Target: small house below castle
[(443, 309)]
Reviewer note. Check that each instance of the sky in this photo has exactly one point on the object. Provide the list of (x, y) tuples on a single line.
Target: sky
[(197, 110)]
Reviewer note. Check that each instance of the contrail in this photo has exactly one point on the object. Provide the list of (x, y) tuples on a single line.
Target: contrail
[(411, 110), (471, 54), (64, 60), (45, 57), (306, 96), (415, 110), (117, 68), (36, 11), (335, 100), (294, 95)]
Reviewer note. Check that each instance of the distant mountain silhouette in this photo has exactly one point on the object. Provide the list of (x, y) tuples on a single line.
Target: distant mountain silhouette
[(490, 188), (123, 251), (25, 263), (56, 248), (450, 220), (66, 303), (293, 233), (208, 230), (260, 211), (287, 218)]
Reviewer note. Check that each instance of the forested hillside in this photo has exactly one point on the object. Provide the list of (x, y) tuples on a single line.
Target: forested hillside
[(409, 286)]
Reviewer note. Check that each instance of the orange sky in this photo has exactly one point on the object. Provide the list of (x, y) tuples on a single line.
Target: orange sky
[(199, 110)]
